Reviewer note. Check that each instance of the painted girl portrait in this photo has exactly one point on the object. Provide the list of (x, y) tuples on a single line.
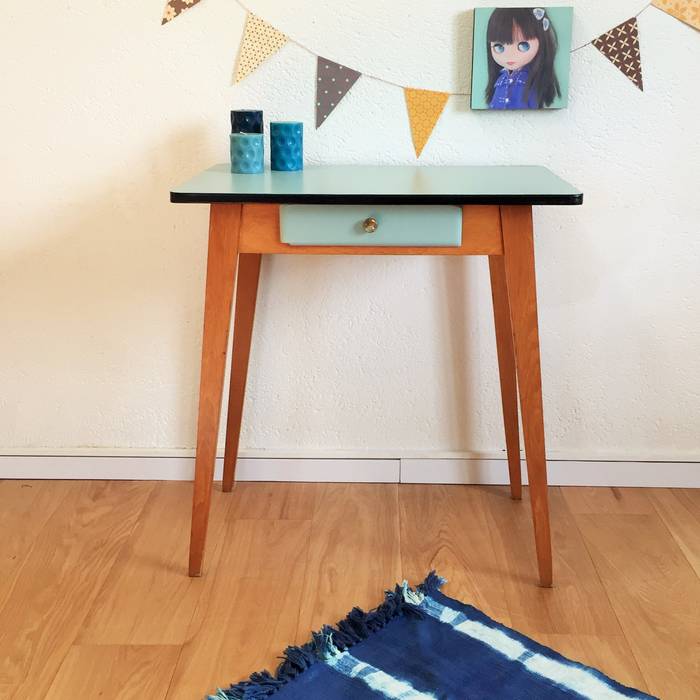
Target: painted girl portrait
[(521, 58)]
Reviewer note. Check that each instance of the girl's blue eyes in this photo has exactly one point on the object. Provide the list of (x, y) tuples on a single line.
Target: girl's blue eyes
[(523, 47)]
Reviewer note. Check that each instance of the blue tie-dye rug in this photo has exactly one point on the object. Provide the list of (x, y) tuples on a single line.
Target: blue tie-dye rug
[(421, 645)]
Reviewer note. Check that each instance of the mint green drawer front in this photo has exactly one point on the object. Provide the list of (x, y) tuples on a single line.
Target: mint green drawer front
[(396, 225)]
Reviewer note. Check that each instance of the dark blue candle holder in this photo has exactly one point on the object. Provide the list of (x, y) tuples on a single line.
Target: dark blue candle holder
[(247, 153), (247, 121), (287, 145)]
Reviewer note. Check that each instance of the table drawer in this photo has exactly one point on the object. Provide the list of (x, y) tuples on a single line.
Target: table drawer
[(367, 225)]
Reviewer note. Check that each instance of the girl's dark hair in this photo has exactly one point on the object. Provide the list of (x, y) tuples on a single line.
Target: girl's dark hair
[(541, 79)]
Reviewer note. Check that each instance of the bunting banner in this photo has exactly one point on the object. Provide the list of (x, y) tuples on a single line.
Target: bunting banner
[(621, 47), (260, 41), (687, 11), (332, 84), (175, 7), (424, 110)]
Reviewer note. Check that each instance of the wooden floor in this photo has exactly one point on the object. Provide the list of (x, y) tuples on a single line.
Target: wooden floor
[(95, 601)]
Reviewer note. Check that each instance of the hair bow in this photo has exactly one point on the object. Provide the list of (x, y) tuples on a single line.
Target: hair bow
[(540, 16)]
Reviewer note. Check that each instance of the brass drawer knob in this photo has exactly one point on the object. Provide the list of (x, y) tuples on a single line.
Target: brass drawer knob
[(370, 225)]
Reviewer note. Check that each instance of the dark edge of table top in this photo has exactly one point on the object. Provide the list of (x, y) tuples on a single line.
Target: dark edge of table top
[(459, 200)]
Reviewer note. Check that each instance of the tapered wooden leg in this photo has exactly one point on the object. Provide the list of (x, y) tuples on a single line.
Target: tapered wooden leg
[(506, 370), (224, 227), (243, 317), (519, 260)]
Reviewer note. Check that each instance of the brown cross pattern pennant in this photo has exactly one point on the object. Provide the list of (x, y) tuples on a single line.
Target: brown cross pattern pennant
[(175, 7), (332, 84), (621, 47)]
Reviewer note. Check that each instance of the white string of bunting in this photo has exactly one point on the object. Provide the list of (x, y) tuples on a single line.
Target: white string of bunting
[(260, 41)]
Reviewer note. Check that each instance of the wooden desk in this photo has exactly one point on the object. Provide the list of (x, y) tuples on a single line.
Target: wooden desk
[(495, 209)]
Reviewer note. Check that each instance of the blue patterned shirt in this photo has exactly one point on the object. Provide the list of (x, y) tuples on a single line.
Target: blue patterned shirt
[(509, 91)]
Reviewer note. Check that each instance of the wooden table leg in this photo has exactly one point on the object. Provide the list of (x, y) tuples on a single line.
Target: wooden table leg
[(506, 370), (519, 262), (224, 228), (243, 318)]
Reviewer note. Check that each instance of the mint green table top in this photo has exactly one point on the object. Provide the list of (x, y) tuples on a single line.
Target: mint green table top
[(382, 184)]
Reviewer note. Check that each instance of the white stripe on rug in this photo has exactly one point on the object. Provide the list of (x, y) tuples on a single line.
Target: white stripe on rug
[(579, 680), (375, 678)]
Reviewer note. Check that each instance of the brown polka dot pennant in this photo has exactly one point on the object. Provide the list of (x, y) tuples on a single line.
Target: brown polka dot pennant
[(332, 84), (175, 7), (260, 41), (621, 47)]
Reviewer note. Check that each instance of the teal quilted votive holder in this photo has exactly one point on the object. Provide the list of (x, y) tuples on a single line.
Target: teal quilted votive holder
[(247, 153), (287, 145)]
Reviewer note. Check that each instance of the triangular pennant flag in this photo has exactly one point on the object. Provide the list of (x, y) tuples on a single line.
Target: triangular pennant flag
[(424, 109), (332, 84), (174, 7), (687, 11), (621, 47), (260, 41)]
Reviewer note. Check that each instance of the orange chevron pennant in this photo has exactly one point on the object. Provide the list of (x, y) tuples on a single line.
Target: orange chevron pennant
[(687, 11), (424, 110)]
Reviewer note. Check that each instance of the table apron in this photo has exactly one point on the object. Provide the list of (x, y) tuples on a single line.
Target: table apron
[(260, 233)]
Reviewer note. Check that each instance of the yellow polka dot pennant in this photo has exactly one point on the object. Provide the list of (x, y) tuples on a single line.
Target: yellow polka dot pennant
[(260, 41), (424, 110)]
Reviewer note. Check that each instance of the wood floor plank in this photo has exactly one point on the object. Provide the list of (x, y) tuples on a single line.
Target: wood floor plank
[(611, 655), (149, 598), (111, 557), (680, 511), (577, 604), (353, 552), (26, 506), (654, 592), (588, 500), (446, 528), (115, 673), (273, 501), (60, 579), (248, 612)]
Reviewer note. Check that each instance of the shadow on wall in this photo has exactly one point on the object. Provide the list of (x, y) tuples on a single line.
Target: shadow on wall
[(101, 296), (457, 379), (105, 307), (462, 38)]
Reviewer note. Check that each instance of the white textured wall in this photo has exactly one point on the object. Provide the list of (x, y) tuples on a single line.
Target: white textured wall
[(101, 279)]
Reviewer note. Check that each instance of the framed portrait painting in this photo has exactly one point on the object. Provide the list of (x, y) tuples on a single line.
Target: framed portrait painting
[(521, 57)]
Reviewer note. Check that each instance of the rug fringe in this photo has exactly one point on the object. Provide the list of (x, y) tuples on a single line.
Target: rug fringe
[(432, 584), (330, 641)]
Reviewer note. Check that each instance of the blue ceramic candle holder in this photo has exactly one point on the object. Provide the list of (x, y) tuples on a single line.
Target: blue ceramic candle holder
[(247, 153), (287, 145), (247, 121)]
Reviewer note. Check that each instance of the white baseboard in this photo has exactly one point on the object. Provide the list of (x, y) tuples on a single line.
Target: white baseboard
[(559, 472), (413, 471), (182, 468), (589, 454)]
